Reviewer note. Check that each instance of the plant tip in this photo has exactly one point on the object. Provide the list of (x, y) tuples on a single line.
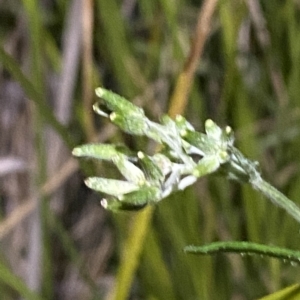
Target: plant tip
[(99, 91), (183, 133), (104, 203), (76, 151), (112, 116), (224, 155), (141, 155), (228, 130), (209, 123), (87, 181)]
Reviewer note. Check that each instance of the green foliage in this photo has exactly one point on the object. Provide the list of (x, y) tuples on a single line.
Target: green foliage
[(145, 184), (247, 76)]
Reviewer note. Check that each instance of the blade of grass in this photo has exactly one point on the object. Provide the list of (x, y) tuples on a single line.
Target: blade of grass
[(154, 271), (289, 293), (40, 237), (132, 250), (7, 277), (114, 37)]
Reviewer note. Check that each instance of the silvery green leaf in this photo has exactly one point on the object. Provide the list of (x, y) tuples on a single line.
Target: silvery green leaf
[(110, 186), (117, 205), (199, 140), (190, 149), (171, 133), (186, 181), (174, 176), (100, 151), (130, 171), (182, 124), (213, 130), (168, 122), (130, 123), (151, 169), (156, 132), (163, 162), (118, 104), (206, 165), (145, 195)]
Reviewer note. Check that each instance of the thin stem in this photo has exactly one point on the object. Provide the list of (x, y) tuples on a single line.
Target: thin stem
[(245, 248), (277, 197)]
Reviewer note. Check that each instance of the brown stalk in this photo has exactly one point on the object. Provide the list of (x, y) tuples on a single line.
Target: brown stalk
[(186, 77)]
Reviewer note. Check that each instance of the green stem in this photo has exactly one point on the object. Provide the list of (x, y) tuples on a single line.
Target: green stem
[(276, 197), (245, 248)]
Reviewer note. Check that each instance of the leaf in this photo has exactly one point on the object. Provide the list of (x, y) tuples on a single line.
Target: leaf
[(206, 165), (111, 186), (186, 181), (130, 123), (129, 170), (213, 130), (100, 151), (119, 104), (150, 167), (245, 248), (290, 293), (182, 124), (133, 201), (199, 140), (117, 205), (145, 195), (163, 162)]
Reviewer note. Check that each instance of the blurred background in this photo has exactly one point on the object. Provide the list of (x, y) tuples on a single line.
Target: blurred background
[(235, 61)]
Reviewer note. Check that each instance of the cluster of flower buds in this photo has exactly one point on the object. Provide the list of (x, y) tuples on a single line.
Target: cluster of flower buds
[(187, 155)]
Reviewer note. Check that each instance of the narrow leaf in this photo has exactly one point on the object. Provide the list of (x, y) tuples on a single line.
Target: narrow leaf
[(118, 104), (206, 165), (212, 129), (129, 170), (143, 196), (199, 140), (130, 123), (100, 151), (182, 124), (245, 248), (110, 186), (150, 168), (117, 205)]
